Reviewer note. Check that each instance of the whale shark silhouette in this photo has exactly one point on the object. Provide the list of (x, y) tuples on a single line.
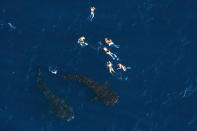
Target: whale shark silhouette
[(58, 106), (102, 92)]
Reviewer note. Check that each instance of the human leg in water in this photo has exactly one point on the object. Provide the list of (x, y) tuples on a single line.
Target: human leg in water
[(83, 44), (115, 57), (91, 17), (119, 76), (116, 46)]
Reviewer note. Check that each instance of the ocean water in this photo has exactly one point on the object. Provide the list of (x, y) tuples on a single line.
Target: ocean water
[(157, 39)]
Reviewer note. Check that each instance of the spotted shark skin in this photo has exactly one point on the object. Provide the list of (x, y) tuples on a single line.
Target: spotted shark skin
[(102, 92), (58, 106)]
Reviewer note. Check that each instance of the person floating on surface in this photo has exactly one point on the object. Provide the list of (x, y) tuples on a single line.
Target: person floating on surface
[(124, 68), (82, 42), (109, 65), (91, 13), (114, 56), (111, 43)]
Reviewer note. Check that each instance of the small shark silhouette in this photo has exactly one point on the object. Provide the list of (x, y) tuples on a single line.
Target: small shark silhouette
[(58, 106), (102, 92)]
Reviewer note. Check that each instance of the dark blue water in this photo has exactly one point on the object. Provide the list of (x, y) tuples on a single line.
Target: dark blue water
[(157, 38)]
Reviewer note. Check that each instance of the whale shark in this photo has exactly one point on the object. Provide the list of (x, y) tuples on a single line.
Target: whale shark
[(58, 106), (102, 91)]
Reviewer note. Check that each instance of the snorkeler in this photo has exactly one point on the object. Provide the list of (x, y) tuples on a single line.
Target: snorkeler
[(109, 65), (124, 68), (82, 42), (114, 56), (91, 13), (111, 43)]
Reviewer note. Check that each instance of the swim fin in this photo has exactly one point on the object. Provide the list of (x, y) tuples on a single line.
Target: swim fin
[(91, 18), (117, 46), (129, 67)]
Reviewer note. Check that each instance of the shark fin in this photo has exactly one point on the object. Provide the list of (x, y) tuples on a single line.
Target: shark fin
[(94, 98), (106, 83)]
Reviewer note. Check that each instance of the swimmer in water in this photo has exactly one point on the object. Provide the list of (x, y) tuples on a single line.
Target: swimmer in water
[(92, 13), (124, 68), (111, 43), (109, 65), (114, 56), (82, 42)]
